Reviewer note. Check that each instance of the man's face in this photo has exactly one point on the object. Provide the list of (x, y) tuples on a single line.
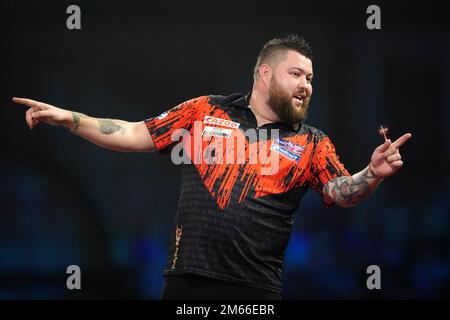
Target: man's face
[(290, 87)]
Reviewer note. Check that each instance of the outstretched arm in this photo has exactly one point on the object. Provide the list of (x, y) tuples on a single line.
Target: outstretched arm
[(112, 134), (350, 190)]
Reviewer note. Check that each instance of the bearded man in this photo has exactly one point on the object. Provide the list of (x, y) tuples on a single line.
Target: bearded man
[(234, 219)]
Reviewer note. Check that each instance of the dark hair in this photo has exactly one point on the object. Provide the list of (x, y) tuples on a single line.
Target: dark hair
[(274, 46)]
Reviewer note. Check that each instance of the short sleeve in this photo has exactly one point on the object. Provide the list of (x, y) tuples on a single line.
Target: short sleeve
[(163, 126), (325, 166)]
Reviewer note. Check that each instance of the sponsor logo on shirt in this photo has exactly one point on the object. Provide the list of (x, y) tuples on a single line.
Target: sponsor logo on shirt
[(288, 149), (216, 132), (221, 122)]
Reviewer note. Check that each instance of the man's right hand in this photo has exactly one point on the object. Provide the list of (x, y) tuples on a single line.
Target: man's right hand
[(46, 113)]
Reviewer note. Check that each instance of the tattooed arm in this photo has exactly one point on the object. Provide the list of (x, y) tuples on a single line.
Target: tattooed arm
[(350, 190), (112, 134)]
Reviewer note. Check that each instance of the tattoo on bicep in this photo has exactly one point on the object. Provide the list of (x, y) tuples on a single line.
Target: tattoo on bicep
[(108, 126), (350, 189)]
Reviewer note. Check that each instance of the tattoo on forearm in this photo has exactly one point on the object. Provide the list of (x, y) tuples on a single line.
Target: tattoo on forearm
[(107, 126), (76, 118), (351, 190)]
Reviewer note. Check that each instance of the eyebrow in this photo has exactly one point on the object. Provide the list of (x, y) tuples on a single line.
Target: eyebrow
[(303, 71)]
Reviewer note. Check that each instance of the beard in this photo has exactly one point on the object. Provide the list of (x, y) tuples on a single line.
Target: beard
[(281, 104)]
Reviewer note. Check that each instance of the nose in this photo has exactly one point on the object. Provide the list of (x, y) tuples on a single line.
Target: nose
[(303, 84)]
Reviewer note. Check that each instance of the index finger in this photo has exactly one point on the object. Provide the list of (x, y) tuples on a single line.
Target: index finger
[(400, 141), (27, 102)]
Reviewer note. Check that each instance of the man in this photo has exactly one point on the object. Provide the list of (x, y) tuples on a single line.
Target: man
[(234, 218)]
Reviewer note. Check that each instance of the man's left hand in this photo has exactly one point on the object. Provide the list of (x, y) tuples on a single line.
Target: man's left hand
[(386, 158)]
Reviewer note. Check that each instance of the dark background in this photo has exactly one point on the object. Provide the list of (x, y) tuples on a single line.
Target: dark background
[(65, 201)]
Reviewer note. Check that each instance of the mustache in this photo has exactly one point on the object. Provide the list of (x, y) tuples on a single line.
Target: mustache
[(303, 94)]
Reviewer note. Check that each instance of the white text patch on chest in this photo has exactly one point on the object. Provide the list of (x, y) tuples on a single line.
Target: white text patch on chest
[(217, 132)]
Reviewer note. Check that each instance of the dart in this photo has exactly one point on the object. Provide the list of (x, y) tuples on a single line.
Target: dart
[(382, 131)]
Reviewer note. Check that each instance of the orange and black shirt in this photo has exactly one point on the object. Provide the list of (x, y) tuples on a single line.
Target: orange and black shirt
[(235, 211)]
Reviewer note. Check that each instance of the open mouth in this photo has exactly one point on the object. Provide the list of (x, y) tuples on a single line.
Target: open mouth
[(299, 99)]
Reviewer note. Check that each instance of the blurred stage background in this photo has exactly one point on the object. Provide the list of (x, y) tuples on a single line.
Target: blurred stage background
[(66, 201)]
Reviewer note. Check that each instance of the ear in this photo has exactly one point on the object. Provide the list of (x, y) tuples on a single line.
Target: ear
[(265, 72)]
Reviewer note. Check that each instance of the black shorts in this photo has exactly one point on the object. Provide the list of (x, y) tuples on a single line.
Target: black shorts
[(194, 287)]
